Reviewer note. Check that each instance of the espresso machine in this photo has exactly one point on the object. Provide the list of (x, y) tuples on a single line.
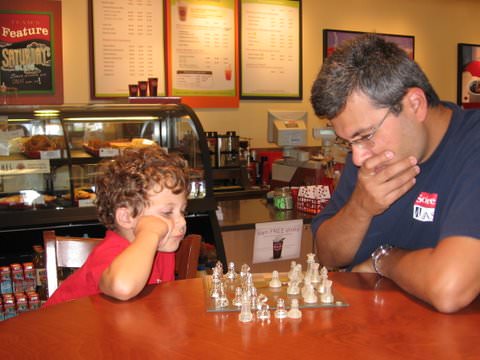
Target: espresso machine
[(229, 171), (288, 130)]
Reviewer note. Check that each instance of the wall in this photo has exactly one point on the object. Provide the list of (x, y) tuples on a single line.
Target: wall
[(438, 25)]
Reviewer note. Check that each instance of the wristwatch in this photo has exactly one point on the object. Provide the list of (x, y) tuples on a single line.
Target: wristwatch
[(378, 254)]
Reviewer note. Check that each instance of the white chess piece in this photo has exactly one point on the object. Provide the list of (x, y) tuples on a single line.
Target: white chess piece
[(308, 294), (219, 268), (294, 312), (315, 274), (292, 269), (245, 269), (280, 312), (264, 313), (245, 312), (306, 286), (293, 288), (221, 301), (237, 300), (327, 297), (298, 272), (231, 274), (310, 262), (323, 280), (275, 282), (215, 283)]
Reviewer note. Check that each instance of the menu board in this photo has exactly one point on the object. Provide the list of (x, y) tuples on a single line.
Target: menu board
[(270, 49), (127, 45), (202, 51)]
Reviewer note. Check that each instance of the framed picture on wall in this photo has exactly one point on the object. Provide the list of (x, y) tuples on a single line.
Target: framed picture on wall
[(333, 38), (468, 75)]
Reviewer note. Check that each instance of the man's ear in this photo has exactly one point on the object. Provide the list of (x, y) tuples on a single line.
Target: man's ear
[(124, 218), (416, 101)]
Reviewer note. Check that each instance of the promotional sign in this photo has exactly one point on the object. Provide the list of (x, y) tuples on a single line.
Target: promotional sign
[(279, 240), (30, 53), (26, 52)]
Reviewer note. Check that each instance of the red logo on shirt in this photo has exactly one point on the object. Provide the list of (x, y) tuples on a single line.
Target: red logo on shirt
[(424, 207)]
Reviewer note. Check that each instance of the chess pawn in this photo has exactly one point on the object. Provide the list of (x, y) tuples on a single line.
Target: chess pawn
[(327, 297), (275, 282), (261, 300), (294, 312), (245, 311), (280, 312), (231, 274), (237, 300), (264, 313), (293, 288)]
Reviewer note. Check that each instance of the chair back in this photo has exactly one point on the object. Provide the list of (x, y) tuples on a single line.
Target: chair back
[(64, 251), (186, 257)]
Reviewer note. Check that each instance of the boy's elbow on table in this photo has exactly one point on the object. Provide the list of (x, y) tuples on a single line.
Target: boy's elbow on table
[(120, 290)]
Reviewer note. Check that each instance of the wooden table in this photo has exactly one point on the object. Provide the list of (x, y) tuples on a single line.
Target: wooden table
[(169, 321)]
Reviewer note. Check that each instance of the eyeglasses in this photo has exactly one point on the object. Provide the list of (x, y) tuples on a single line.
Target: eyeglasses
[(366, 140)]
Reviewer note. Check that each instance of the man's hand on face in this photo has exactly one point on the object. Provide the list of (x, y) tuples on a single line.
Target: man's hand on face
[(383, 179)]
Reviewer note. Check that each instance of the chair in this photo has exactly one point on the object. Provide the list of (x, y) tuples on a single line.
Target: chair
[(64, 251), (72, 252), (186, 257)]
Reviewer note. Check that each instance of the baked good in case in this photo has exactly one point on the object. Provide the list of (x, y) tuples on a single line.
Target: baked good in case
[(44, 143)]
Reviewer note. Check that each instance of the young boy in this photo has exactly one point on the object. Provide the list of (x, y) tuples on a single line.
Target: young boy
[(141, 199)]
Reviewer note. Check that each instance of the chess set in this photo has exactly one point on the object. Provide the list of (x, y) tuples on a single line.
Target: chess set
[(256, 294)]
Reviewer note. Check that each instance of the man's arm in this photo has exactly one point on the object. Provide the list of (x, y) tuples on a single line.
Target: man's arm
[(381, 180), (338, 238), (447, 276)]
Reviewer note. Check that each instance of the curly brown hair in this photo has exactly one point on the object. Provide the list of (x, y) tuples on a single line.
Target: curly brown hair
[(126, 180)]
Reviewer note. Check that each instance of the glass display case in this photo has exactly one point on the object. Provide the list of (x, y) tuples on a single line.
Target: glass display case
[(49, 158)]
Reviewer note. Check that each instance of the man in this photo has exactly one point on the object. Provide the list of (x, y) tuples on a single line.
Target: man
[(408, 203)]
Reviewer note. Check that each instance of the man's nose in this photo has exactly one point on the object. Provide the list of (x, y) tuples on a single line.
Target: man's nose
[(360, 155)]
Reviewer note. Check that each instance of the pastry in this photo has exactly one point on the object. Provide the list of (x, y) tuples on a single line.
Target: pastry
[(44, 143)]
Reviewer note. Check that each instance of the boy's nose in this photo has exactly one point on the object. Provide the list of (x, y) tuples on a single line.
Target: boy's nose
[(180, 222)]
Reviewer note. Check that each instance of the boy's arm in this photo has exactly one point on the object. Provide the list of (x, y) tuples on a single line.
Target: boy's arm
[(128, 273)]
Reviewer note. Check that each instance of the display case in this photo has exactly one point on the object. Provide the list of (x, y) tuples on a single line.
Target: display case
[(49, 158)]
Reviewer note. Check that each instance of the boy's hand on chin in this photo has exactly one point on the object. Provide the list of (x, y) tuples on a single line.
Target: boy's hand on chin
[(158, 226)]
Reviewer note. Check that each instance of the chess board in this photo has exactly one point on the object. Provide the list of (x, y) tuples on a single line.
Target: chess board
[(261, 282)]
